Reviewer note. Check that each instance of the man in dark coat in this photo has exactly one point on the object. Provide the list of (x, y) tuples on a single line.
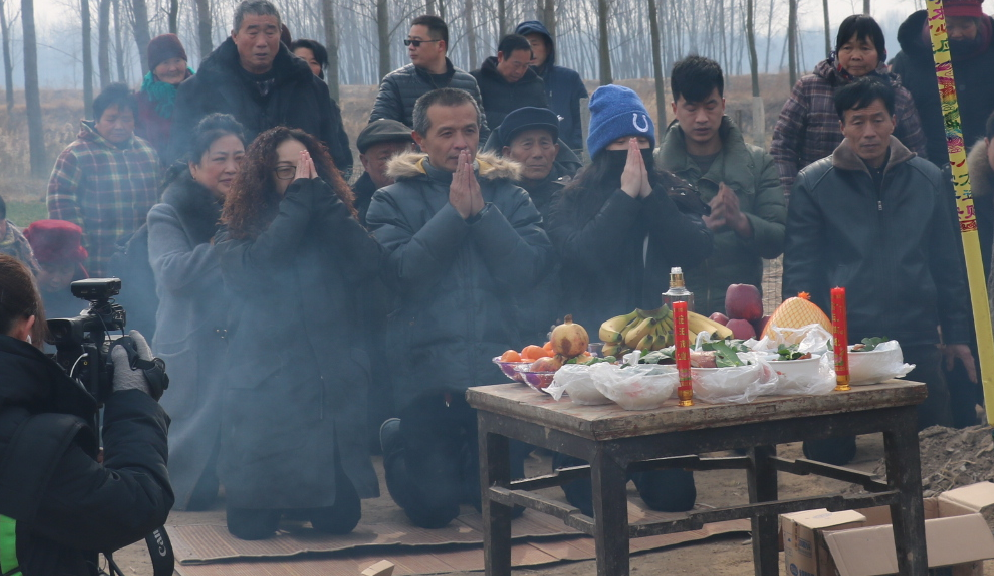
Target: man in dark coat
[(378, 142), (256, 79), (881, 222), (507, 82), (462, 239), (60, 506), (563, 87), (427, 45)]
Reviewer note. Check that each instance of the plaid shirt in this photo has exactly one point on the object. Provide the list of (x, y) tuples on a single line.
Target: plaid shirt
[(104, 189), (13, 243), (808, 128)]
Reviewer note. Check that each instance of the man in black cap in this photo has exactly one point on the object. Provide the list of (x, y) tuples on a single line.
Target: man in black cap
[(378, 142)]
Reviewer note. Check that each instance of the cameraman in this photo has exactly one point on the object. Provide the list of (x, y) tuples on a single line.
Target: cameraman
[(59, 506)]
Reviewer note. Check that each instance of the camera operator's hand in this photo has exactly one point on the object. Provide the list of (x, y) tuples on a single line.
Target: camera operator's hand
[(124, 377)]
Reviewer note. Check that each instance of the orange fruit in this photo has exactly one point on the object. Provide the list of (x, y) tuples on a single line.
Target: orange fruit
[(547, 347), (534, 353), (510, 356)]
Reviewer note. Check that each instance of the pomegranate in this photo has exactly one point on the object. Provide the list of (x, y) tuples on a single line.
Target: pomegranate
[(569, 339), (547, 364)]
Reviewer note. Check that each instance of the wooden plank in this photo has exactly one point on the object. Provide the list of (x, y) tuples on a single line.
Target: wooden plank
[(611, 421)]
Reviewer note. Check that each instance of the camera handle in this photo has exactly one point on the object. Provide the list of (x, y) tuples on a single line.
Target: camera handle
[(154, 369)]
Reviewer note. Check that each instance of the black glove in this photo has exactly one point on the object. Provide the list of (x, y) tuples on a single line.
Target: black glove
[(136, 369)]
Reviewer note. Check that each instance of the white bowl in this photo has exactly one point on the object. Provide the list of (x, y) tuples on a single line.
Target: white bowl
[(884, 363), (797, 369)]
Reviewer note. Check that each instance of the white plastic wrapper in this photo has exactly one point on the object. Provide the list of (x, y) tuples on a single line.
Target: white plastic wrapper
[(576, 381), (736, 384), (638, 387), (883, 363), (813, 377), (811, 339)]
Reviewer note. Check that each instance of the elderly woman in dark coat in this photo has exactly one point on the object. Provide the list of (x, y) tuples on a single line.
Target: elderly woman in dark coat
[(293, 255), (193, 307)]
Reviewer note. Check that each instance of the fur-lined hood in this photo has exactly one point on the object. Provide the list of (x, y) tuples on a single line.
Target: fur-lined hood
[(981, 173), (488, 166)]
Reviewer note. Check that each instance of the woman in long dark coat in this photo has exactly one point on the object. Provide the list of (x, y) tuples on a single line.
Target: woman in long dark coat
[(193, 306), (293, 256)]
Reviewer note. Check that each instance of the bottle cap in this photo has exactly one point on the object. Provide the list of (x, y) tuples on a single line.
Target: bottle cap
[(676, 270)]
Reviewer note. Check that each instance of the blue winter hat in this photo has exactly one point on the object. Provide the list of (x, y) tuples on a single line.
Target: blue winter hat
[(617, 111)]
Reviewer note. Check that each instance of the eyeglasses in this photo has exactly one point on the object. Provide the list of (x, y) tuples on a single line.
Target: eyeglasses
[(416, 43), (286, 172)]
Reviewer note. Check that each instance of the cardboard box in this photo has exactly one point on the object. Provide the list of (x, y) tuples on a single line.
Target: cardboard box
[(805, 553), (956, 536)]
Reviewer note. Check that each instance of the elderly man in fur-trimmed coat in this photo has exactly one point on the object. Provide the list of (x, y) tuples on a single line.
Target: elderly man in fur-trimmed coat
[(463, 239)]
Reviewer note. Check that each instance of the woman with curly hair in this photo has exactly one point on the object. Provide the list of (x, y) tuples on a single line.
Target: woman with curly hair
[(292, 255)]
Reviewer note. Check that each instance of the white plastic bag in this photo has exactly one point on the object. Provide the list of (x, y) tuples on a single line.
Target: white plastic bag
[(886, 361), (804, 382), (811, 339), (576, 381), (736, 384), (638, 387)]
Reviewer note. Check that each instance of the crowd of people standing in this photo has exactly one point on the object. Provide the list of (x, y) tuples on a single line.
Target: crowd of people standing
[(306, 323)]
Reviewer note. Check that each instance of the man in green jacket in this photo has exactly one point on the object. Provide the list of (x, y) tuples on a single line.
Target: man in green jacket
[(738, 180)]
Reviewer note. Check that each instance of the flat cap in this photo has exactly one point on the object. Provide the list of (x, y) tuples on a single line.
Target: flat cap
[(528, 119), (380, 131)]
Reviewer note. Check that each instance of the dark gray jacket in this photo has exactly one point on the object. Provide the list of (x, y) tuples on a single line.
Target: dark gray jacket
[(895, 249), (501, 97), (400, 89), (456, 278), (295, 402), (190, 321)]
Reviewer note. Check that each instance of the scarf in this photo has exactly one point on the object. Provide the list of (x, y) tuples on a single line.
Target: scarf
[(162, 94)]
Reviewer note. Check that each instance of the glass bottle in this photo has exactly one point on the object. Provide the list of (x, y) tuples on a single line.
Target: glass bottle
[(678, 290)]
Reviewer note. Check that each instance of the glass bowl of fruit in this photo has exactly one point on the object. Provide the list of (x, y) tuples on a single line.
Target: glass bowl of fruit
[(510, 365), (538, 381)]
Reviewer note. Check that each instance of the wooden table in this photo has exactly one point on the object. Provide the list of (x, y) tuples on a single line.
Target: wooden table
[(616, 442)]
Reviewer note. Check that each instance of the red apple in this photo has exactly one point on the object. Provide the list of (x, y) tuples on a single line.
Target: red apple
[(741, 329), (719, 318), (743, 301), (760, 324)]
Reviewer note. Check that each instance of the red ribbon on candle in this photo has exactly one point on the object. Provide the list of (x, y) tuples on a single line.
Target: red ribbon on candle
[(841, 337), (680, 327)]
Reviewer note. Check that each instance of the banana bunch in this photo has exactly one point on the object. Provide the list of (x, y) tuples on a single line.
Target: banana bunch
[(696, 323), (637, 330)]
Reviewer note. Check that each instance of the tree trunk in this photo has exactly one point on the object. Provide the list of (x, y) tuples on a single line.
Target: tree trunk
[(103, 43), (32, 95), (205, 39), (501, 18), (171, 16), (828, 31), (603, 49), (331, 42), (430, 7), (471, 34), (139, 26), (792, 41), (866, 6), (8, 65), (383, 34), (657, 66), (751, 39), (84, 10), (118, 44), (547, 15)]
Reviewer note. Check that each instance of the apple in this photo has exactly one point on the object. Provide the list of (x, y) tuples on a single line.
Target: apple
[(743, 301), (741, 329), (760, 324), (719, 318)]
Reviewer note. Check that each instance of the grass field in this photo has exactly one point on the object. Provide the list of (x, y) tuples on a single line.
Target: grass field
[(22, 213)]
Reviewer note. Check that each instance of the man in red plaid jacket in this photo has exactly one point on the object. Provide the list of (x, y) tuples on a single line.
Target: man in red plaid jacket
[(107, 179)]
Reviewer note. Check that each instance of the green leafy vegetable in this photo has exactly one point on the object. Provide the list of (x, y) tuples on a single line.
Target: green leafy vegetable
[(725, 356), (869, 344), (790, 352)]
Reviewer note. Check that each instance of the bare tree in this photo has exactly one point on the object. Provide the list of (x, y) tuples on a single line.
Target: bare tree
[(205, 42), (171, 16), (792, 40), (753, 56), (84, 10), (430, 7), (659, 79), (383, 35), (103, 43), (471, 34), (118, 44), (866, 6), (331, 42), (546, 13), (603, 48), (8, 65), (32, 95), (501, 18), (139, 25), (828, 30)]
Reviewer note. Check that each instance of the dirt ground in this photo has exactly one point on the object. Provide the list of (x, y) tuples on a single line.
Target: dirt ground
[(724, 556)]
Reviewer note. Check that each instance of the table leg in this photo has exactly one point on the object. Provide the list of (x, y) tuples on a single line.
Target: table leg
[(763, 488), (903, 461), (610, 503), (495, 469)]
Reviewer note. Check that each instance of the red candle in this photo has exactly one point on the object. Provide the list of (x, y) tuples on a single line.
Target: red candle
[(682, 332), (841, 338)]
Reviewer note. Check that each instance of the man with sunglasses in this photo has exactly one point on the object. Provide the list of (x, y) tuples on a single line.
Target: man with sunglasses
[(427, 44)]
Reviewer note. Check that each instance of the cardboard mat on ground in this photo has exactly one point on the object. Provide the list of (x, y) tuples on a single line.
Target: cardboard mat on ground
[(416, 560)]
